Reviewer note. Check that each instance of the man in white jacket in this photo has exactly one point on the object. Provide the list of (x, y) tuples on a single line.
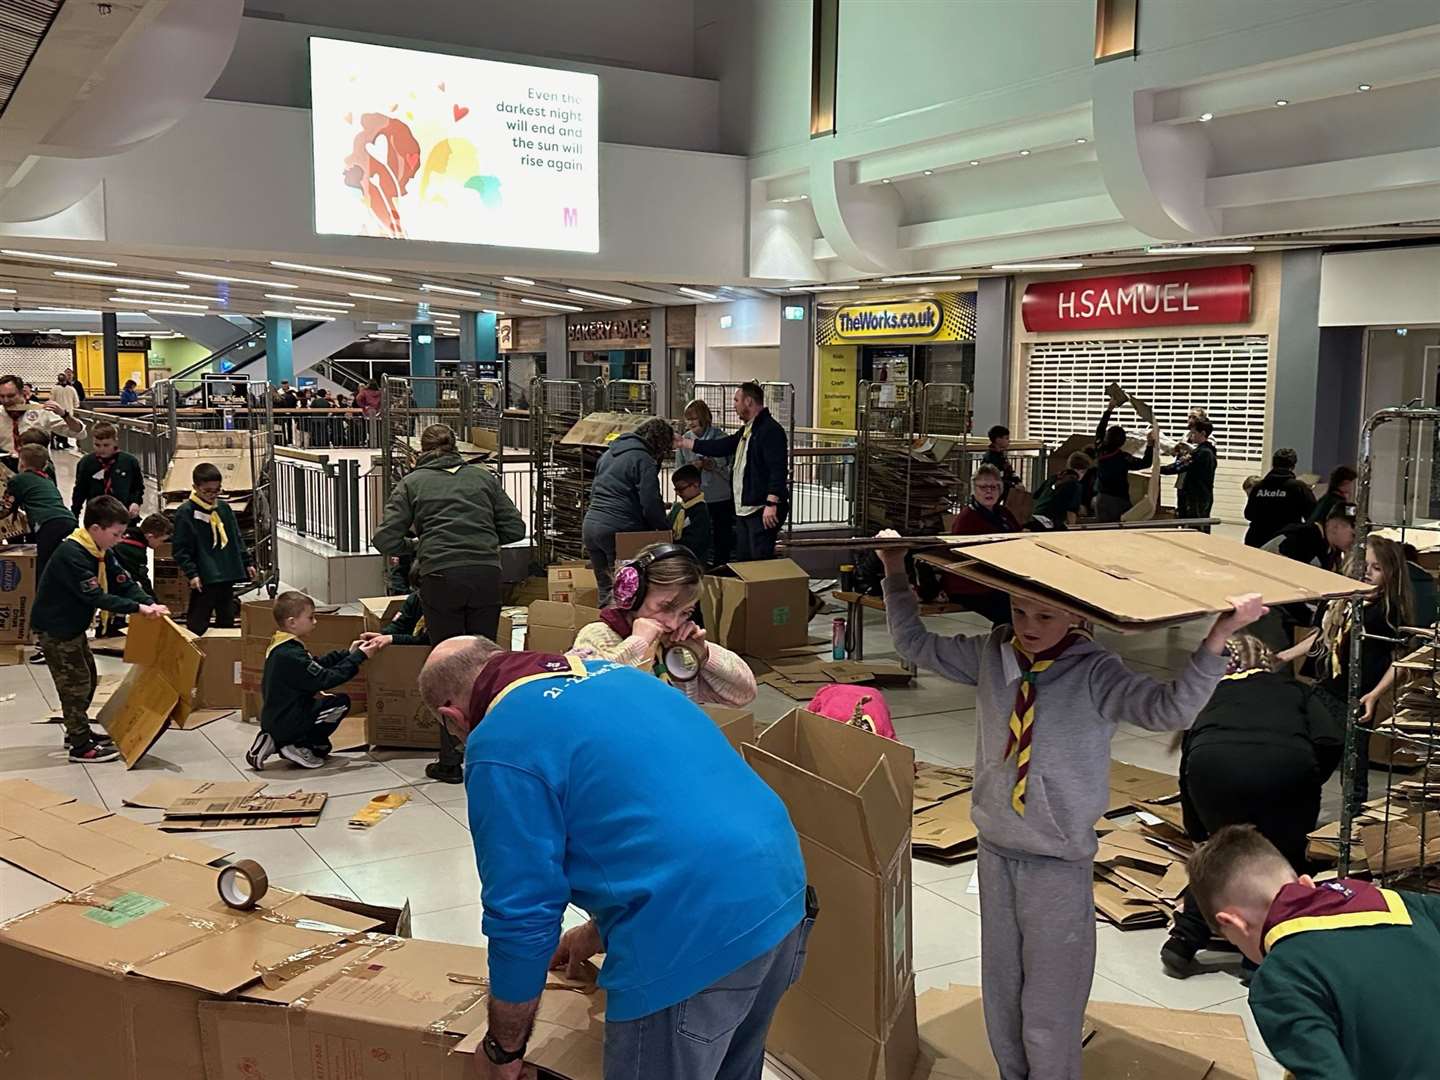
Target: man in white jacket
[(18, 416), (66, 396)]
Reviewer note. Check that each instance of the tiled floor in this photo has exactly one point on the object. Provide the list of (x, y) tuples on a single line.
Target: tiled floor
[(422, 853)]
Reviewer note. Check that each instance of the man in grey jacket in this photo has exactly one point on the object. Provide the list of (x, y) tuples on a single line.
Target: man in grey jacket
[(1048, 701), (460, 516), (625, 496)]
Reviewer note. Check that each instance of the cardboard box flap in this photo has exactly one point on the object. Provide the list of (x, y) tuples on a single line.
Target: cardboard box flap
[(564, 616), (379, 610), (767, 570)]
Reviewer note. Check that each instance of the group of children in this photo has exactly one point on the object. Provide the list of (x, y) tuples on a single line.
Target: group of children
[(101, 566)]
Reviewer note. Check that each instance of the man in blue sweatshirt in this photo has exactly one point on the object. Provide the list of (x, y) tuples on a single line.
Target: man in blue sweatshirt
[(596, 783)]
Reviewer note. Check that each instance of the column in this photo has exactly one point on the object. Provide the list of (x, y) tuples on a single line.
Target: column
[(991, 401), (1297, 363), (660, 372), (422, 364), (557, 348), (797, 355), (109, 329), (279, 351), (477, 339)]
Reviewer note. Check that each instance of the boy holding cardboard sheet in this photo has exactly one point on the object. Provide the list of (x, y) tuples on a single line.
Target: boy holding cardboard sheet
[(82, 577), (297, 715), (1346, 983), (1048, 700)]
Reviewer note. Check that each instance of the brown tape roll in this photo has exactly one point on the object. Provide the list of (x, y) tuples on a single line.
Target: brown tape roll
[(682, 661), (243, 884)]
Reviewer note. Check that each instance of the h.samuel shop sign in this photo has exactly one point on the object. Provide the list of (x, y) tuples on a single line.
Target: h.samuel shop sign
[(1207, 296)]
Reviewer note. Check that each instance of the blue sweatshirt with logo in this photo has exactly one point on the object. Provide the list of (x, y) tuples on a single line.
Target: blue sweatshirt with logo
[(613, 791)]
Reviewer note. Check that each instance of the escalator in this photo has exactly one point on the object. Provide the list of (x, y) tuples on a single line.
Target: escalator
[(240, 356)]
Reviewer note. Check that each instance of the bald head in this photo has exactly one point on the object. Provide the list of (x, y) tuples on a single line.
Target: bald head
[(449, 675)]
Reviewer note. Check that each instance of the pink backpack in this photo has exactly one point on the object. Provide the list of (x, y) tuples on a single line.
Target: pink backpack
[(862, 706)]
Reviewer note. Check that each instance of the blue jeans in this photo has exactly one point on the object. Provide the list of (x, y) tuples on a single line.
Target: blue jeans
[(717, 1034)]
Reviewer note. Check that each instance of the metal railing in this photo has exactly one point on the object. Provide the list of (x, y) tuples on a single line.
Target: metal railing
[(323, 500)]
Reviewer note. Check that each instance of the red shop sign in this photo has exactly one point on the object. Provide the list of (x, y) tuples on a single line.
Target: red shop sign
[(1215, 294)]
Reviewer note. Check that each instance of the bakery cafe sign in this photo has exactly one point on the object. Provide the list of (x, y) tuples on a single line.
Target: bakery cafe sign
[(609, 333), (1207, 296)]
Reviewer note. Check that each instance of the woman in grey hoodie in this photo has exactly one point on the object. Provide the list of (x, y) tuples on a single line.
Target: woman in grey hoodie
[(1048, 700)]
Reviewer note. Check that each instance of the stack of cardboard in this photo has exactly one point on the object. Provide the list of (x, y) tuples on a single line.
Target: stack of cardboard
[(17, 593), (940, 828), (209, 813), (799, 677), (912, 487), (332, 631), (1140, 866), (572, 583)]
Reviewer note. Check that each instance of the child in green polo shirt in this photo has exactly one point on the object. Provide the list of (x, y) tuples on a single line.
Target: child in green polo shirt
[(1347, 980), (209, 548), (33, 491)]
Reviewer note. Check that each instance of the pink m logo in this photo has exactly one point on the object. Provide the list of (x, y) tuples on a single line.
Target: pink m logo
[(572, 217)]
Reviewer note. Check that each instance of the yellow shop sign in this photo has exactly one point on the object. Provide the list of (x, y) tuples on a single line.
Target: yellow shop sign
[(918, 318)]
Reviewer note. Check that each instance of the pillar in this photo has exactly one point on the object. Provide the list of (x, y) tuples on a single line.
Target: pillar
[(478, 344), (661, 373), (279, 351), (797, 355), (422, 364), (110, 331), (991, 401), (1297, 363), (557, 348)]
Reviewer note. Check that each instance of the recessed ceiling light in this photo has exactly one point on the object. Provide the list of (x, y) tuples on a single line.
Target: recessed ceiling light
[(445, 314), (321, 310), (380, 296), (699, 294), (1206, 117), (236, 280), (551, 304), (886, 180), (1282, 102), (823, 288), (291, 299), (1201, 249), (1081, 142), (108, 279), (929, 172), (173, 311), (921, 279), (166, 296), (426, 287), (75, 259), (356, 274), (1364, 86), (67, 310), (493, 311), (974, 161), (10, 291), (519, 280), (803, 198), (138, 302), (1038, 266), (606, 297), (297, 315), (1024, 153)]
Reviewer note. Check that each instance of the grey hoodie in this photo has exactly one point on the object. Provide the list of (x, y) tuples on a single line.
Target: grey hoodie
[(1079, 702)]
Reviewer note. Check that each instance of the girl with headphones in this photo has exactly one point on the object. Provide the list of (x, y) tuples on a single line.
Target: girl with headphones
[(649, 625)]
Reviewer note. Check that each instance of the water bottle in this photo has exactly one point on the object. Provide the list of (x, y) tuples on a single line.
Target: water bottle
[(837, 639)]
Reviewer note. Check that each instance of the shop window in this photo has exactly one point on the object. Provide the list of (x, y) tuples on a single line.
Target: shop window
[(1115, 28), (824, 51)]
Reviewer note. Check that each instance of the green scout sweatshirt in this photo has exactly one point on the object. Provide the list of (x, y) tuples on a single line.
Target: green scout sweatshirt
[(39, 497), (459, 514), (69, 592), (193, 545)]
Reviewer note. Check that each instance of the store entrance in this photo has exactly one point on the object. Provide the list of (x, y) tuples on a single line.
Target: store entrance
[(900, 365)]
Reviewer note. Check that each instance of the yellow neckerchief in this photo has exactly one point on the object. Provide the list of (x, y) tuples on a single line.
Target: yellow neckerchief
[(678, 528), (82, 536), (218, 536), (280, 638), (1238, 675)]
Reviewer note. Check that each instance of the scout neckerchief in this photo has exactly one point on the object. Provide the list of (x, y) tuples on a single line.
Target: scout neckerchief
[(678, 528), (509, 670), (107, 470), (82, 536), (1022, 720), (280, 637), (218, 536), (15, 419), (1334, 905)]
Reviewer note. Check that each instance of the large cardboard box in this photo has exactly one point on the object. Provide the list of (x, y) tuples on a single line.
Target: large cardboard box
[(172, 588), (17, 592), (630, 544), (852, 1014), (396, 715), (573, 583), (551, 627), (236, 474), (757, 608), (332, 631), (220, 683), (737, 725), (158, 689), (379, 610)]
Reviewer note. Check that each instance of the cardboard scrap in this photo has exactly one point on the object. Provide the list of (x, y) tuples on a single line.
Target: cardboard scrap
[(162, 793), (799, 677), (247, 806), (940, 828), (378, 809), (75, 845)]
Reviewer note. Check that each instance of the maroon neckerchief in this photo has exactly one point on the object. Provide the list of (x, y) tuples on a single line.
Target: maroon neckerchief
[(619, 620), (1341, 897), (502, 671)]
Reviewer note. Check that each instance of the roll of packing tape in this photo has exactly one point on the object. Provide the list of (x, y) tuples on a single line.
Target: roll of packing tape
[(243, 884), (682, 661)]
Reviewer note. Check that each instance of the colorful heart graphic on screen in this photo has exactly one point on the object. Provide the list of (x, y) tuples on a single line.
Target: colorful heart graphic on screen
[(384, 158), (448, 165), (460, 112), (487, 187)]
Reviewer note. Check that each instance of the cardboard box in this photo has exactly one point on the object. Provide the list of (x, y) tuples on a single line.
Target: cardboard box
[(396, 715), (511, 620), (172, 587), (573, 583), (1132, 580), (600, 429), (194, 439), (630, 544), (738, 725), (757, 608), (849, 793), (379, 610), (17, 593), (164, 664), (332, 631), (219, 685), (236, 475), (551, 627)]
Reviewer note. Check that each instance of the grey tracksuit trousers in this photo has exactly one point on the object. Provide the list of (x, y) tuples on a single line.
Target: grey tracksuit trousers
[(1037, 961)]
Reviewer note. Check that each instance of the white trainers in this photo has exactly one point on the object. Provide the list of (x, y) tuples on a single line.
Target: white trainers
[(260, 749), (302, 756)]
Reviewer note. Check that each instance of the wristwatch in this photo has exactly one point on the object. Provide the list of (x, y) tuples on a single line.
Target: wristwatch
[(497, 1054)]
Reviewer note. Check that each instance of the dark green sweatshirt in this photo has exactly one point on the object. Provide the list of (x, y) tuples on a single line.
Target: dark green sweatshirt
[(69, 592), (459, 513), (40, 499), (1347, 1002), (288, 686), (194, 547), (408, 626), (120, 476)]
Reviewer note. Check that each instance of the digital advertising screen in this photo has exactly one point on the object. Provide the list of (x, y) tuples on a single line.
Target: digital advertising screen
[(415, 145)]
